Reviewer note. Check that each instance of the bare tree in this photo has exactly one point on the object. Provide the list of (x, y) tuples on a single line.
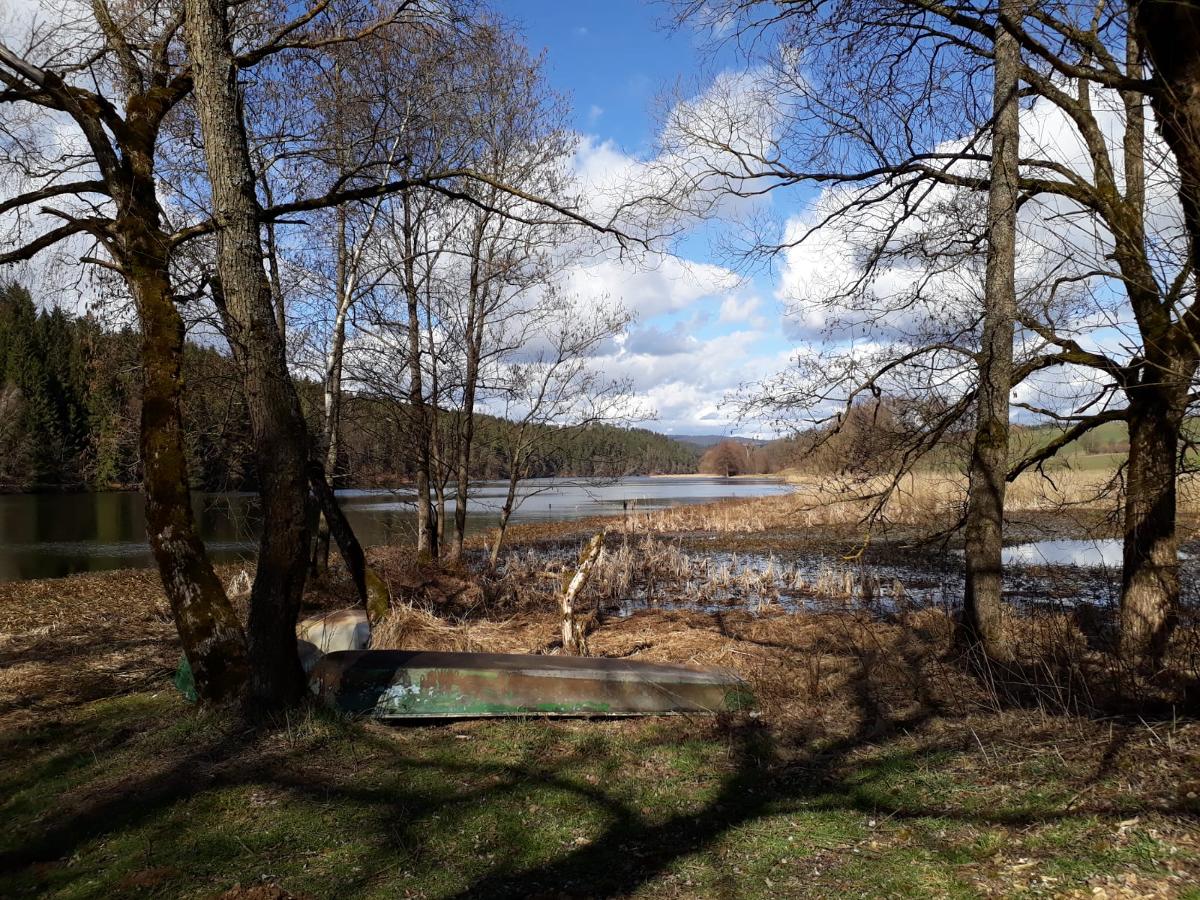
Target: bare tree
[(121, 81), (983, 604), (244, 299), (841, 124), (105, 194), (521, 137), (551, 391)]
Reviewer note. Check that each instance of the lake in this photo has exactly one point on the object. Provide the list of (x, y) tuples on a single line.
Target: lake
[(50, 535)]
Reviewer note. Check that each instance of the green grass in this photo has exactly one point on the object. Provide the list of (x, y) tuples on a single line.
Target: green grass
[(142, 796)]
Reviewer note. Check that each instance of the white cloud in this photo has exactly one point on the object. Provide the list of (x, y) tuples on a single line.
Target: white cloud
[(650, 286), (739, 309), (835, 303)]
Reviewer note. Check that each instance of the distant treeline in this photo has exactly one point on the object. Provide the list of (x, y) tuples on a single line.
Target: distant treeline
[(70, 407), (373, 449), (873, 436)]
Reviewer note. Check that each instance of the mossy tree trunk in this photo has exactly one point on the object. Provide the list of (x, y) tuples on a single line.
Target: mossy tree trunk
[(245, 302), (983, 603), (209, 632), (1150, 559), (1169, 34), (211, 636)]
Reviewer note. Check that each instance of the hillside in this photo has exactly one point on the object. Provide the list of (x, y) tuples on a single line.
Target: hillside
[(70, 406), (704, 441)]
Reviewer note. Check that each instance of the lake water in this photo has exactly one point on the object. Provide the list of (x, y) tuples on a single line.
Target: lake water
[(1089, 554), (50, 535)]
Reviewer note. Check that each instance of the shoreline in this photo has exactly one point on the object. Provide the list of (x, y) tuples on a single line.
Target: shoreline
[(873, 765)]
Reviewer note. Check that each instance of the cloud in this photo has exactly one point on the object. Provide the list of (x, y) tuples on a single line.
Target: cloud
[(650, 286), (654, 341), (739, 309)]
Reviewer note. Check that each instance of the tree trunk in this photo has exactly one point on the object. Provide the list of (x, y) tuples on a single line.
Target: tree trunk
[(244, 300), (212, 638), (510, 500), (473, 333), (983, 604), (466, 437), (372, 591), (333, 390), (1150, 561), (574, 635), (437, 468), (1169, 32), (427, 541), (441, 513)]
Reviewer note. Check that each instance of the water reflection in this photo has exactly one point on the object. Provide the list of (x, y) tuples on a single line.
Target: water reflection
[(50, 535), (1091, 554)]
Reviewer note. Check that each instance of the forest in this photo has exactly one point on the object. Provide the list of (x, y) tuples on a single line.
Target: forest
[(70, 404)]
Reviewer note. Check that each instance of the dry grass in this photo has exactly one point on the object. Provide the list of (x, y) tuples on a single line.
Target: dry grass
[(920, 498), (878, 751), (407, 627)]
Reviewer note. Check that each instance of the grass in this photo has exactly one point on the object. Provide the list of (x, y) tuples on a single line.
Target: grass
[(139, 796), (874, 766)]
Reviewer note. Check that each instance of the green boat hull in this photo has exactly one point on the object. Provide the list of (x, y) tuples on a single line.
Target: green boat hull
[(402, 684)]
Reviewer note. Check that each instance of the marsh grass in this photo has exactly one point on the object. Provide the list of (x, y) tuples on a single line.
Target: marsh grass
[(918, 499)]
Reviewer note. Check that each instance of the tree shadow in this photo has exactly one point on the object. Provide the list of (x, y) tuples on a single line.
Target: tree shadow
[(406, 815)]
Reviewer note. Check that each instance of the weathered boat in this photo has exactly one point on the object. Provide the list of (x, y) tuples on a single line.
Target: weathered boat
[(405, 684), (415, 684)]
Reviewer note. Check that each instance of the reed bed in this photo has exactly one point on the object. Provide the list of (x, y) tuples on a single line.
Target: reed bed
[(917, 499), (650, 571)]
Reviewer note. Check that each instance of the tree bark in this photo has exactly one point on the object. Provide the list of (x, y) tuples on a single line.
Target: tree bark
[(473, 332), (1169, 33), (333, 387), (574, 634), (983, 604), (510, 501), (372, 591), (462, 471), (209, 631), (1150, 561), (244, 300), (427, 539), (437, 464), (211, 636)]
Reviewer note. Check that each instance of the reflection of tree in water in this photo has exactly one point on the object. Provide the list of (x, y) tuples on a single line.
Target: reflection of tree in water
[(230, 519)]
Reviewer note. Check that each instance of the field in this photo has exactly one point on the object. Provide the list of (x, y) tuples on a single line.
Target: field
[(874, 764)]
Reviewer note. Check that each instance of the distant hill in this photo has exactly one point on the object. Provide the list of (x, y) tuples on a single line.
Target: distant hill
[(705, 441)]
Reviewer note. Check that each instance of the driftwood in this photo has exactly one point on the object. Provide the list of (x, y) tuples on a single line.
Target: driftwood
[(574, 631)]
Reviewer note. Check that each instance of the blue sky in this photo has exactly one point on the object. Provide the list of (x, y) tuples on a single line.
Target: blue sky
[(612, 57), (697, 335)]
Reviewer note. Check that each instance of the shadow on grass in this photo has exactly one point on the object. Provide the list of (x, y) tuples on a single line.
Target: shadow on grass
[(409, 797)]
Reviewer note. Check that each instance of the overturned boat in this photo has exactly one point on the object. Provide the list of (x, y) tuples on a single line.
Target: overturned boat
[(420, 684), (414, 684)]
